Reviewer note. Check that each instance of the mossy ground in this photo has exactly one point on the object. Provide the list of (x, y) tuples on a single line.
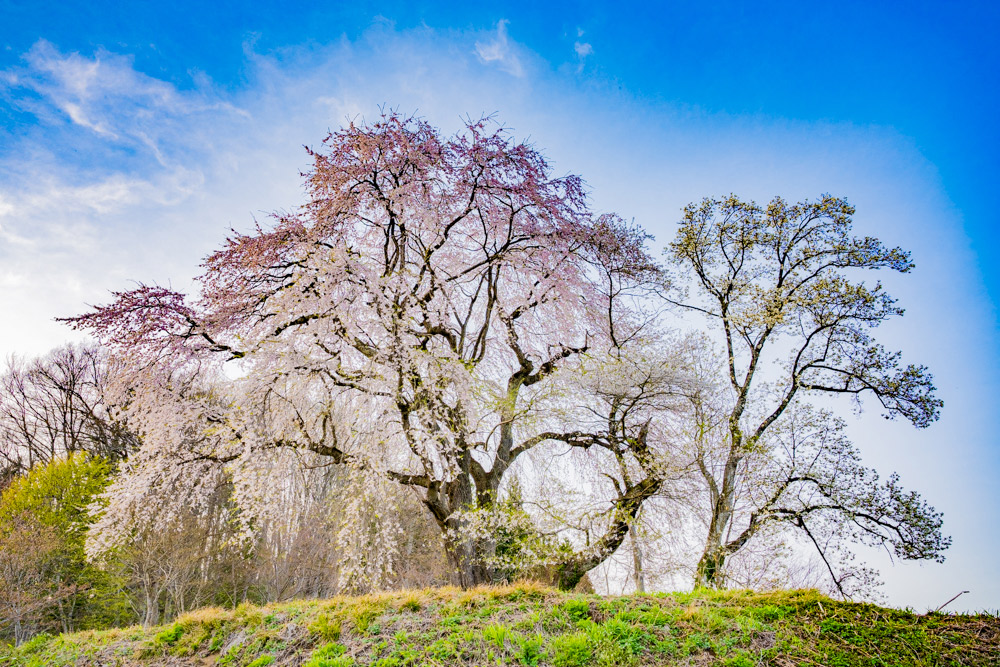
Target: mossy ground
[(531, 625)]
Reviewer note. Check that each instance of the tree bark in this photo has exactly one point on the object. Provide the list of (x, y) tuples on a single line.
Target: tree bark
[(709, 572), (469, 555), (151, 612)]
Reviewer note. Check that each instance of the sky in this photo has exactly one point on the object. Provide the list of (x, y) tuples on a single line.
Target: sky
[(133, 136)]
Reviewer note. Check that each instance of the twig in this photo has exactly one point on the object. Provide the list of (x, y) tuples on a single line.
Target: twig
[(948, 602)]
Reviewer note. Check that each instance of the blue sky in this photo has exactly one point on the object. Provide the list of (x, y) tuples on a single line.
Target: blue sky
[(133, 136), (926, 69)]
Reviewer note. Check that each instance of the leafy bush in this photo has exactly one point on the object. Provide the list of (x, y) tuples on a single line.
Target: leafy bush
[(572, 650), (46, 513)]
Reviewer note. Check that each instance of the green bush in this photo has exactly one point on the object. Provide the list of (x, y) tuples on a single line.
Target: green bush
[(57, 503), (572, 650)]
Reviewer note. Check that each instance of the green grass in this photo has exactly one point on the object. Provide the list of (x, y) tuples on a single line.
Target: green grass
[(532, 626)]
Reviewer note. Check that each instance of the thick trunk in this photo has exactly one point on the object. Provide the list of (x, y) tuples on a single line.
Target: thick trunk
[(469, 555), (469, 559), (568, 575)]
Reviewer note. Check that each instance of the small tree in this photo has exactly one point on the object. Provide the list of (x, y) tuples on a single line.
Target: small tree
[(56, 503), (29, 553), (778, 285)]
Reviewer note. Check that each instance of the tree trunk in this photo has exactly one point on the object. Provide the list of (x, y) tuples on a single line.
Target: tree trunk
[(568, 575), (709, 572), (19, 634), (468, 554), (637, 570), (151, 614), (468, 558)]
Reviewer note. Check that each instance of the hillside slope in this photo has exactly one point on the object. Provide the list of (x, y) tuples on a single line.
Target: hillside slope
[(530, 625)]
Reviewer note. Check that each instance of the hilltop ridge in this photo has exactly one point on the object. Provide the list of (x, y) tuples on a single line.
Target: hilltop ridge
[(531, 625)]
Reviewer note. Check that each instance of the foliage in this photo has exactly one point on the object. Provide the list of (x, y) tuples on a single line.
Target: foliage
[(59, 494), (49, 511), (408, 321)]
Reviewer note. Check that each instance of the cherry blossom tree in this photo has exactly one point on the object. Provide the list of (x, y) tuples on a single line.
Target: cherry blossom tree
[(410, 320)]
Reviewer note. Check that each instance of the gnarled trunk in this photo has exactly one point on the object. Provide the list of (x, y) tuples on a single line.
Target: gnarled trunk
[(470, 555)]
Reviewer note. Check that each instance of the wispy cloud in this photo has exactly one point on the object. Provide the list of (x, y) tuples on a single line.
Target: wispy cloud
[(108, 96), (500, 51), (208, 165)]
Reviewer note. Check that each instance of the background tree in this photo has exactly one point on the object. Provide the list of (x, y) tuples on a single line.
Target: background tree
[(777, 283), (29, 553), (409, 320), (50, 509), (54, 405)]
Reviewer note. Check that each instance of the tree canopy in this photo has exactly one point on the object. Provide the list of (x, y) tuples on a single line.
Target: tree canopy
[(779, 284)]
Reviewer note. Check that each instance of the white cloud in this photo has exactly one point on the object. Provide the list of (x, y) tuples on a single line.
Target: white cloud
[(583, 49), (106, 95), (77, 115), (500, 51), (110, 195)]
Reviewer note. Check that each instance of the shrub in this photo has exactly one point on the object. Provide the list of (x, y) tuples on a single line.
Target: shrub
[(572, 650)]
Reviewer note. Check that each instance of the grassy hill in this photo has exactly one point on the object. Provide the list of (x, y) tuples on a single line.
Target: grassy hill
[(531, 625)]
